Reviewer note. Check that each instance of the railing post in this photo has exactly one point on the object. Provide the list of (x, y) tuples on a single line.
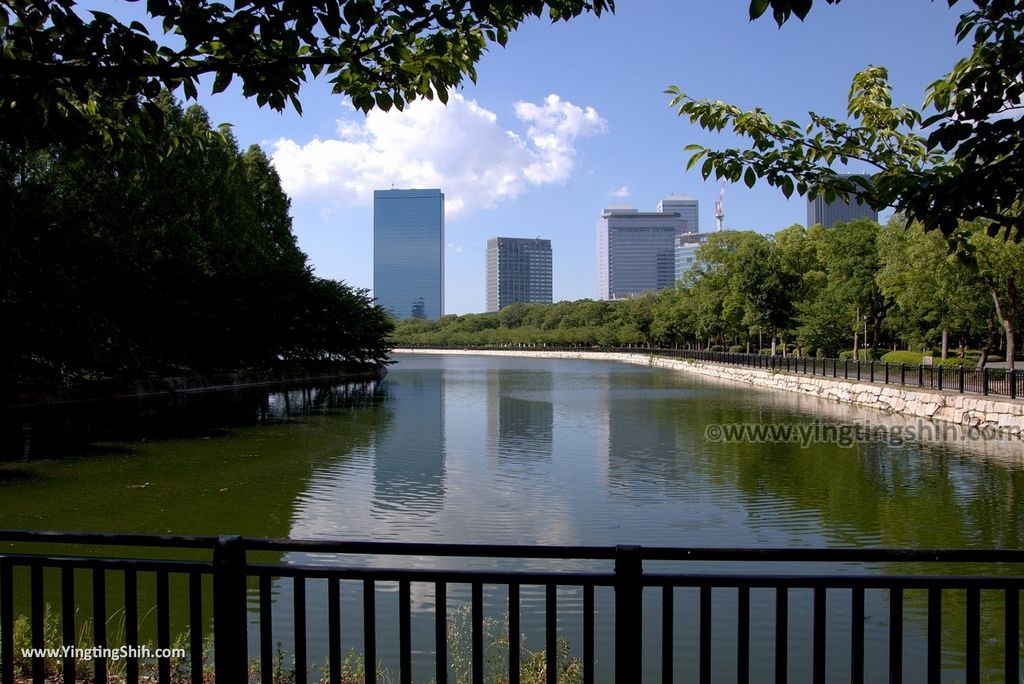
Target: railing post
[(886, 372), (984, 381), (903, 373), (846, 369), (628, 614), (960, 377), (230, 641), (1013, 383)]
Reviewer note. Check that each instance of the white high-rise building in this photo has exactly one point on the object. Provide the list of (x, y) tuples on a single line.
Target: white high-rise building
[(636, 250)]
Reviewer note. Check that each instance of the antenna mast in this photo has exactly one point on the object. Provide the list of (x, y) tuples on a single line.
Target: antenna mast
[(720, 207)]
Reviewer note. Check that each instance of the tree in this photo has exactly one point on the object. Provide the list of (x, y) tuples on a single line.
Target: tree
[(964, 162), (63, 72)]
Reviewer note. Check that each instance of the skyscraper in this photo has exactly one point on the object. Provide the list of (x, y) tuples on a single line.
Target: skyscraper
[(839, 211), (518, 270), (636, 250), (408, 252), (688, 209)]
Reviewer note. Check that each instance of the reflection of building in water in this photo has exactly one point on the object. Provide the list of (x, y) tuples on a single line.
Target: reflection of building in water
[(408, 466), (642, 444), (520, 415)]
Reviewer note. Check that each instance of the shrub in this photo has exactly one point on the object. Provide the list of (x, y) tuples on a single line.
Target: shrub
[(863, 354), (737, 349), (903, 357)]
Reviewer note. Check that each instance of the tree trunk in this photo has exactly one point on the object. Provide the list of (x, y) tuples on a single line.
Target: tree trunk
[(1007, 316), (989, 341), (945, 343), (856, 332)]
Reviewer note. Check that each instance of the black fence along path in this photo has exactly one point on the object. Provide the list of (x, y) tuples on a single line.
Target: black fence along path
[(234, 569)]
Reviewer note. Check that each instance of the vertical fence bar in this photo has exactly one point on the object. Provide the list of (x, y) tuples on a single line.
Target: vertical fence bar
[(705, 634), (667, 633), (67, 615), (934, 635), (973, 637), (782, 633), (551, 632), (299, 627), (6, 623), (441, 631), (266, 630), (903, 374), (478, 633), (370, 631), (38, 609), (229, 617), (1013, 383), (984, 381), (818, 663), (195, 624), (131, 623), (960, 377), (846, 369), (99, 622), (628, 615), (743, 635), (333, 630), (941, 371), (857, 635), (857, 361), (405, 632), (896, 635), (513, 634), (886, 364), (163, 625), (1011, 636)]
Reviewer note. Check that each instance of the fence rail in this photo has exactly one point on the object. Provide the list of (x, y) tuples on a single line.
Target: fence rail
[(985, 381), (243, 593)]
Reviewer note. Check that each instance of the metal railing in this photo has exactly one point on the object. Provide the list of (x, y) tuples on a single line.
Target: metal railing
[(242, 595), (985, 381)]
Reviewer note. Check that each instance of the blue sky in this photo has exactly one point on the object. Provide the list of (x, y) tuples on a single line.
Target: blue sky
[(571, 118)]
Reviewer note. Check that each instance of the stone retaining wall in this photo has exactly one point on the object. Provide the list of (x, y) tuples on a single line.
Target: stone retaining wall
[(971, 410)]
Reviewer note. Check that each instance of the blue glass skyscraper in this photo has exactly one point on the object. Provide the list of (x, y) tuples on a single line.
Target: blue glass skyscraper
[(408, 252)]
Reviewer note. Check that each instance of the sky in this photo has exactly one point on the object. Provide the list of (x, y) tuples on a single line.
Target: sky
[(570, 118)]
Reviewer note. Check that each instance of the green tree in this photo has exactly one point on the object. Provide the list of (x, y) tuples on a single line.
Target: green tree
[(65, 70), (933, 292), (963, 162)]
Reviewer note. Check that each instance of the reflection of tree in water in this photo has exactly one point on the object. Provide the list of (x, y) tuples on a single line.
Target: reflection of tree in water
[(915, 495), (83, 428)]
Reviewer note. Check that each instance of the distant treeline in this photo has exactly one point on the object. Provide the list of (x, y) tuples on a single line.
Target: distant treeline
[(173, 257), (857, 287)]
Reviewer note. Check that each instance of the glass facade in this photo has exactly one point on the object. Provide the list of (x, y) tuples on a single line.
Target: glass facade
[(518, 270), (686, 251), (408, 252)]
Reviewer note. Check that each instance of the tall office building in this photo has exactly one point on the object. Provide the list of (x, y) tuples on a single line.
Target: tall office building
[(838, 211), (636, 250), (518, 270), (688, 209), (408, 252), (686, 251)]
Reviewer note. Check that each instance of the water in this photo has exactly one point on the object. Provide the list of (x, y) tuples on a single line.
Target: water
[(520, 451)]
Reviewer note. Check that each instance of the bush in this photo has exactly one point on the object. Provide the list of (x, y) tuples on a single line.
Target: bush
[(737, 349), (821, 353), (903, 357), (864, 354)]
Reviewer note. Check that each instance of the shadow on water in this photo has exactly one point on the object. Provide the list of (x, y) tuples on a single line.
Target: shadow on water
[(103, 427)]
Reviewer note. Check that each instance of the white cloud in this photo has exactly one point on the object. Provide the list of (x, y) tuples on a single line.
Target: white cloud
[(456, 248), (461, 149), (622, 191)]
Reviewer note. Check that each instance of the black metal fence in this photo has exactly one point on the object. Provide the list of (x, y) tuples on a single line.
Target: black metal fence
[(952, 378), (225, 571)]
